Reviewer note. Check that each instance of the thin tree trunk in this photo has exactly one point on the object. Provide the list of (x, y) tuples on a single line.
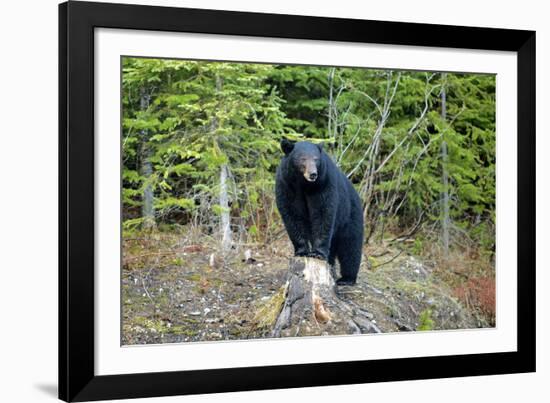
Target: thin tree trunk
[(331, 108), (147, 208), (445, 219), (225, 218)]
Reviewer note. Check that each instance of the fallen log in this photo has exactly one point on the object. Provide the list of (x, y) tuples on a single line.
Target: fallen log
[(312, 306)]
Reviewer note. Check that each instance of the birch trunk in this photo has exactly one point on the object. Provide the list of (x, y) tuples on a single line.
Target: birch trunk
[(225, 216), (147, 208), (445, 219)]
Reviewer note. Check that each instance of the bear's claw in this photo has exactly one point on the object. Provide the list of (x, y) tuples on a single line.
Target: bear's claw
[(317, 255), (301, 253), (345, 281)]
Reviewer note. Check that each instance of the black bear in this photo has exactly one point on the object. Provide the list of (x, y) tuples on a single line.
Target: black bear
[(320, 208)]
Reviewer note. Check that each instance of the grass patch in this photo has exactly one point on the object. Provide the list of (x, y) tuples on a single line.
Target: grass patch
[(268, 311), (425, 320), (164, 327)]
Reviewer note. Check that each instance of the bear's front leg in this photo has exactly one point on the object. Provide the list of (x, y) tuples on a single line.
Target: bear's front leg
[(298, 231), (321, 245), (322, 209), (301, 249), (294, 214)]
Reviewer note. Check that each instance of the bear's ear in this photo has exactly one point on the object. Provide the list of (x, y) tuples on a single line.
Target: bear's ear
[(320, 147), (287, 146)]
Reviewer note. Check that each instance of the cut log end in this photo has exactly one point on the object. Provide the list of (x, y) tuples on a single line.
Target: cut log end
[(312, 306)]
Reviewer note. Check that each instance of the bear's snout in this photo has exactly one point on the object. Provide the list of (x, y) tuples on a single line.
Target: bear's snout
[(310, 171)]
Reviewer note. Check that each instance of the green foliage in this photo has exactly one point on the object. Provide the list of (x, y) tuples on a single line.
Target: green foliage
[(417, 246), (383, 128), (426, 321)]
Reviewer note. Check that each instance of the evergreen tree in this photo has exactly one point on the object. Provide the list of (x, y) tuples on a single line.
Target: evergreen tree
[(200, 143)]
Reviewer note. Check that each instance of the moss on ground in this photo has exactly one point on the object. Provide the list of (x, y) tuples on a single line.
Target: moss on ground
[(174, 296)]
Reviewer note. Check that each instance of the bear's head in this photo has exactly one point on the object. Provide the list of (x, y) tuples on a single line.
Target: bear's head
[(304, 158)]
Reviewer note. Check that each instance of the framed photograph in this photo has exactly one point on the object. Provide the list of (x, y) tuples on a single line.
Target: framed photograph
[(257, 201)]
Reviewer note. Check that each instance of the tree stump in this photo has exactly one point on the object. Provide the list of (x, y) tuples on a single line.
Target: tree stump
[(312, 306)]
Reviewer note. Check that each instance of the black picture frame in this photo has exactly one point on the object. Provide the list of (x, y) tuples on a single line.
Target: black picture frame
[(77, 21)]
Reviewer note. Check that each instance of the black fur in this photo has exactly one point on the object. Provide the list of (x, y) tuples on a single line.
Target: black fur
[(320, 209)]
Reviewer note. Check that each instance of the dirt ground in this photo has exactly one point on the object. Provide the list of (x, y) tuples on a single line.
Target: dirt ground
[(175, 290)]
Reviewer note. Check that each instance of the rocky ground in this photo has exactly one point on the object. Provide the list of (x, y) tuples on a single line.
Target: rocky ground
[(177, 290)]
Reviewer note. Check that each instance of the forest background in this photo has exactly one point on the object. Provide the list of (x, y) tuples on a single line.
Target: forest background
[(200, 146)]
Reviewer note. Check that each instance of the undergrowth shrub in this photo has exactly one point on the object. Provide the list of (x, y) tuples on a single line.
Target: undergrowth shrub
[(479, 295)]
